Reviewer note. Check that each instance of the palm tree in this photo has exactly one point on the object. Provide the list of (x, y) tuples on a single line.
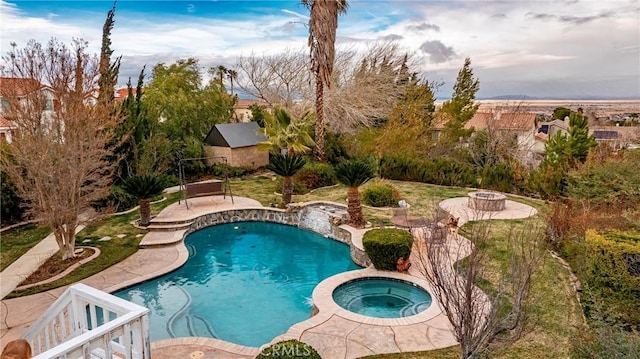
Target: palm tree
[(323, 24), (144, 187), (282, 131), (286, 166), (233, 74), (353, 174)]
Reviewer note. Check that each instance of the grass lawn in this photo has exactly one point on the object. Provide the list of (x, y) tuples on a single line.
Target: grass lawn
[(111, 252), (556, 313), (17, 242)]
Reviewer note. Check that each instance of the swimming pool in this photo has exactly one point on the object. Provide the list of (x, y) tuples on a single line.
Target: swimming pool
[(244, 282)]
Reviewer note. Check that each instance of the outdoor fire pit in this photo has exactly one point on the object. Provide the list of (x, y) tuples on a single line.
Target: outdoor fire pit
[(486, 201)]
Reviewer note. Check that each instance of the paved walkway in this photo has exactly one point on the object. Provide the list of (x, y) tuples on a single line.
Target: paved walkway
[(28, 263)]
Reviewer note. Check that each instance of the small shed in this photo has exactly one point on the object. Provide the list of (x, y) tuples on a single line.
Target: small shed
[(238, 143)]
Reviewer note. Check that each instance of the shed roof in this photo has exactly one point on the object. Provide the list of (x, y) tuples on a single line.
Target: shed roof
[(235, 135)]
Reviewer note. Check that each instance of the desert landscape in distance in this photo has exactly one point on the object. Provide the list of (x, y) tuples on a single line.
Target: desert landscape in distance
[(600, 108)]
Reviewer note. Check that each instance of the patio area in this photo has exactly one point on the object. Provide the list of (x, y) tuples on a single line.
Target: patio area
[(332, 332)]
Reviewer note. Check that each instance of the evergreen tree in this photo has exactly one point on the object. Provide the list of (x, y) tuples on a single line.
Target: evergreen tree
[(135, 130), (461, 108), (108, 71), (579, 140)]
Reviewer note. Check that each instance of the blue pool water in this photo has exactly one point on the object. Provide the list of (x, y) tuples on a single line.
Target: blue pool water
[(244, 282), (382, 297)]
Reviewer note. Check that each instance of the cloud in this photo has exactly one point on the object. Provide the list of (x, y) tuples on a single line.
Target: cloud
[(423, 27), (572, 19), (296, 14), (516, 40), (391, 37), (437, 51)]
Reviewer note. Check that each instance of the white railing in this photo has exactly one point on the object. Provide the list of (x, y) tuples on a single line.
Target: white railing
[(87, 323)]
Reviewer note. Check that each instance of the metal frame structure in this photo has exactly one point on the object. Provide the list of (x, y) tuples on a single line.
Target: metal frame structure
[(183, 184)]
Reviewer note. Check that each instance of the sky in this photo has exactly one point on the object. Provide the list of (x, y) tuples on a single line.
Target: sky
[(545, 49)]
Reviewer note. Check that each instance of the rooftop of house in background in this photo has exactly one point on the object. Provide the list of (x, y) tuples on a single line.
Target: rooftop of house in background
[(234, 135), (10, 86), (519, 121), (5, 123), (122, 93)]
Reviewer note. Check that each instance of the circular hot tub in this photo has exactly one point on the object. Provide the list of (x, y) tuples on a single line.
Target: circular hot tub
[(486, 201), (382, 297)]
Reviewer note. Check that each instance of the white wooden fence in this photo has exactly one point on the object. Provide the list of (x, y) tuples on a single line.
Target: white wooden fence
[(87, 323)]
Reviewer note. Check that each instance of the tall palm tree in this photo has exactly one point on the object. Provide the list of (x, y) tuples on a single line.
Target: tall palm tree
[(323, 24), (283, 131), (286, 166), (144, 187), (353, 174), (232, 74)]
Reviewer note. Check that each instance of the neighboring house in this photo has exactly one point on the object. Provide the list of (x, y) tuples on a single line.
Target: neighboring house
[(122, 93), (553, 127), (6, 129), (237, 142), (618, 137), (21, 89), (521, 126), (242, 110)]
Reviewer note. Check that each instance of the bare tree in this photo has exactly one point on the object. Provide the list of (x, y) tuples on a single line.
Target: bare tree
[(281, 80), (365, 83), (58, 158), (453, 269)]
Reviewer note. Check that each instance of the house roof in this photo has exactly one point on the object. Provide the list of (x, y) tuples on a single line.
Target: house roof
[(12, 86), (122, 93), (519, 121), (235, 135), (559, 123), (615, 132), (5, 123)]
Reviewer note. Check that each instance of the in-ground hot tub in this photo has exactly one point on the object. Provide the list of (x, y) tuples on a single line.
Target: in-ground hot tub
[(382, 297), (486, 201)]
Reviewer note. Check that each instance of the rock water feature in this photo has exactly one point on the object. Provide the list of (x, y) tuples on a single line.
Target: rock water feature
[(486, 201), (322, 217)]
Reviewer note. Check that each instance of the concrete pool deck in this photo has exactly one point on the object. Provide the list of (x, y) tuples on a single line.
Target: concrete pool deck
[(331, 332)]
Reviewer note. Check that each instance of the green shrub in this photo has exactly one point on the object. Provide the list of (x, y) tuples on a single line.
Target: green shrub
[(399, 168), (440, 170), (615, 181), (384, 246), (289, 349), (315, 175), (613, 274), (380, 193), (219, 170), (120, 199), (498, 177), (11, 209)]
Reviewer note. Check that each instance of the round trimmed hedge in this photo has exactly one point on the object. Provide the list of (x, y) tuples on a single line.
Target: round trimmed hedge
[(385, 245), (289, 349), (380, 193)]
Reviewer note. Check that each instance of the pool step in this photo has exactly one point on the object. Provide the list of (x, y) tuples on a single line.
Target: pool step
[(168, 226), (160, 238)]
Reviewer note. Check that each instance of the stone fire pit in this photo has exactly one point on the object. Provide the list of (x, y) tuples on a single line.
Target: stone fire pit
[(486, 201)]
